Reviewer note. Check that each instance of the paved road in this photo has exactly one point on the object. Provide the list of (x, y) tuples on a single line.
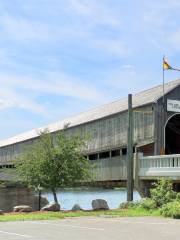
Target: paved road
[(91, 228)]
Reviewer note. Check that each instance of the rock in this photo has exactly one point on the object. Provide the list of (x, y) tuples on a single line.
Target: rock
[(76, 207), (99, 204), (1, 212), (44, 202), (22, 208), (54, 207)]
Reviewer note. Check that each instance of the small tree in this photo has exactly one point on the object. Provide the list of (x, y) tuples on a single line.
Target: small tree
[(163, 192), (53, 162)]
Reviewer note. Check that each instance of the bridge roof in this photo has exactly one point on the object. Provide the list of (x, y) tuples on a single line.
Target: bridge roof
[(142, 98)]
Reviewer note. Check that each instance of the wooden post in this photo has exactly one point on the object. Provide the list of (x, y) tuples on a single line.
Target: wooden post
[(39, 202), (136, 171), (130, 151)]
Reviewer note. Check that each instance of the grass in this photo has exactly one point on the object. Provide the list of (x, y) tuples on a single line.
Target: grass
[(136, 212)]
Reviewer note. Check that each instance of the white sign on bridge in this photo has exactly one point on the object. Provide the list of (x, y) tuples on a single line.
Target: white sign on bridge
[(173, 105)]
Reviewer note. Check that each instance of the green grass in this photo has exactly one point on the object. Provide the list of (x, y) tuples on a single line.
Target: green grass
[(136, 212), (30, 216)]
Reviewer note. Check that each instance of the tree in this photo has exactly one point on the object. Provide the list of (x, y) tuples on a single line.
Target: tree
[(163, 192), (52, 162)]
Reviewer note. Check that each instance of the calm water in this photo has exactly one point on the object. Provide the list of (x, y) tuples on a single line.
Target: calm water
[(83, 197)]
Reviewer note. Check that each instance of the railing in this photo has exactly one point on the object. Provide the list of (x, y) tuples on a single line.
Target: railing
[(157, 166)]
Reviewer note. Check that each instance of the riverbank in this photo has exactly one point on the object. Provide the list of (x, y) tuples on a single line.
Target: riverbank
[(85, 195), (139, 212)]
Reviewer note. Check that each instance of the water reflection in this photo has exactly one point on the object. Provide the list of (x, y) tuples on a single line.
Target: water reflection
[(68, 197)]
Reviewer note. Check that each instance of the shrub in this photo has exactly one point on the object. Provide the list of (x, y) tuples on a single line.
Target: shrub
[(127, 205), (178, 196), (171, 209), (147, 203), (163, 193)]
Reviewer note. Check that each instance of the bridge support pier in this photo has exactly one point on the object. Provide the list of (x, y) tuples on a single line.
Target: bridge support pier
[(144, 188), (176, 186)]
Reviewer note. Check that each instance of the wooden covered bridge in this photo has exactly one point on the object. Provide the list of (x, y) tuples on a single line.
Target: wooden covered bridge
[(156, 124)]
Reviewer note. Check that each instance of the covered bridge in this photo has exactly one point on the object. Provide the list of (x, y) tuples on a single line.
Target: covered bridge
[(156, 120)]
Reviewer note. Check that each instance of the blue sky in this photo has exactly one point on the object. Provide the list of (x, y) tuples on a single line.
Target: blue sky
[(61, 57)]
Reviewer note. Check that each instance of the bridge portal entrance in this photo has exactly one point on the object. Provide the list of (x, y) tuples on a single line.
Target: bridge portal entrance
[(172, 135)]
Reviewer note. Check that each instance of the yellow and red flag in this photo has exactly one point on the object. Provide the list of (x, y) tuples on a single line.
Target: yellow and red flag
[(166, 66)]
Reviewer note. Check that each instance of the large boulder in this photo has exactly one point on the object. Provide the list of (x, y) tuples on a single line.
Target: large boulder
[(99, 204), (44, 202), (22, 208), (76, 207), (52, 206)]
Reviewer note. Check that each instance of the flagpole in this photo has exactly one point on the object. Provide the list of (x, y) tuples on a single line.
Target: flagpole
[(163, 113), (163, 80)]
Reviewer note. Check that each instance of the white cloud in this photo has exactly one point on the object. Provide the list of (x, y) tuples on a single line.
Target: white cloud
[(11, 98), (127, 79), (23, 29), (95, 12), (54, 83), (5, 103), (22, 92), (128, 66), (112, 46), (174, 39), (82, 8), (173, 3)]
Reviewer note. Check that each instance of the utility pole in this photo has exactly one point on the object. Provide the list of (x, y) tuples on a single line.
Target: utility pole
[(130, 151)]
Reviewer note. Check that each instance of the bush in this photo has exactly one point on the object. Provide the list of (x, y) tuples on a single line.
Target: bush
[(171, 209), (147, 203), (127, 205), (163, 193), (178, 196)]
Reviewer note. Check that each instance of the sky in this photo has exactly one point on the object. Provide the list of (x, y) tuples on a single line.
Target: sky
[(61, 57)]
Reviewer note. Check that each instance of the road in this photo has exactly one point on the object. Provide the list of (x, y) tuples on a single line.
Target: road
[(92, 228)]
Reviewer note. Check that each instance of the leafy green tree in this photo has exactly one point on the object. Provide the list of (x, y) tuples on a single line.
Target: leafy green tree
[(163, 192), (53, 162)]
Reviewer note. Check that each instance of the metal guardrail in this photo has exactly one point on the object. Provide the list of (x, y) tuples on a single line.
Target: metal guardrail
[(160, 161), (161, 165)]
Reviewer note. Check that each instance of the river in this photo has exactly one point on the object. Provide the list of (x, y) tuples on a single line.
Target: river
[(68, 197)]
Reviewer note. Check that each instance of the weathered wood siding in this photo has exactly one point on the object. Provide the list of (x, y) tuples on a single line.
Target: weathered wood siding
[(104, 134), (111, 132), (109, 169)]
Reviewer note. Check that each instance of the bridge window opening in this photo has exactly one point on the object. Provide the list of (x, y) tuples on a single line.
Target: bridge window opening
[(104, 155), (124, 151), (7, 166), (93, 157), (172, 135), (115, 153)]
